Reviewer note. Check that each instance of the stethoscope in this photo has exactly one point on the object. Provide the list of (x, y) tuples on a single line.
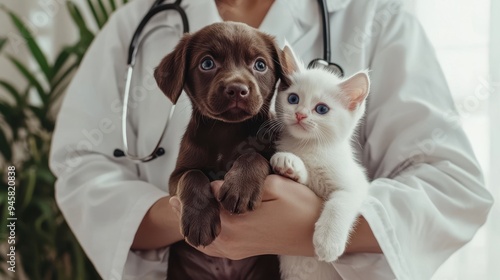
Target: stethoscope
[(158, 7)]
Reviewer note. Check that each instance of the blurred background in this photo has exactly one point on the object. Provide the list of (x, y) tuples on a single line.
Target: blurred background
[(34, 73)]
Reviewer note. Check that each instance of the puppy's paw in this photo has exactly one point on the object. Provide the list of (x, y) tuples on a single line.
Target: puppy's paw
[(327, 244), (239, 194), (289, 165), (200, 228)]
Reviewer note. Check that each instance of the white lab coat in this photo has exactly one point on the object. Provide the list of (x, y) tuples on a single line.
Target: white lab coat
[(426, 199)]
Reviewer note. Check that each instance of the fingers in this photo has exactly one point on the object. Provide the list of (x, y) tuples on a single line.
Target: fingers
[(216, 185), (273, 185)]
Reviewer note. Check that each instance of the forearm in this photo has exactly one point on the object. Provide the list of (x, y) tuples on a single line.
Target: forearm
[(304, 209), (362, 239), (292, 230), (159, 227)]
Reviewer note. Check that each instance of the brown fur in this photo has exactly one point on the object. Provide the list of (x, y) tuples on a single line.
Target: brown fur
[(221, 140)]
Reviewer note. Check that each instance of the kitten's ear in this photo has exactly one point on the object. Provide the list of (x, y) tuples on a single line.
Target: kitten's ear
[(289, 65), (355, 89)]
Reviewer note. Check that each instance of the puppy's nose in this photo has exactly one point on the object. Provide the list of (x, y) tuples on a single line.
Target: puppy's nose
[(236, 90)]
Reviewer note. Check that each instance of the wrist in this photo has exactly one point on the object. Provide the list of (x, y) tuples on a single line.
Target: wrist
[(362, 239), (159, 227)]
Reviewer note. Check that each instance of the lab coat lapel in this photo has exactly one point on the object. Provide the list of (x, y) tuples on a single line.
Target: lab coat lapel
[(201, 13), (295, 22), (335, 5)]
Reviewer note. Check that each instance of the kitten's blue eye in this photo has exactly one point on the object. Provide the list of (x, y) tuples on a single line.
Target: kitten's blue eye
[(260, 65), (293, 98), (322, 109), (207, 64)]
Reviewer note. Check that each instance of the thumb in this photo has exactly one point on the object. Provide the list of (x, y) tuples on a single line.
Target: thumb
[(216, 185), (275, 186)]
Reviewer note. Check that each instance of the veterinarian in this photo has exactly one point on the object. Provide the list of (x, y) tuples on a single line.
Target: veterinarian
[(427, 197)]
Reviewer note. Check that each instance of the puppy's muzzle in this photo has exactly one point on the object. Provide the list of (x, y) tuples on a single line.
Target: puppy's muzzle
[(238, 95)]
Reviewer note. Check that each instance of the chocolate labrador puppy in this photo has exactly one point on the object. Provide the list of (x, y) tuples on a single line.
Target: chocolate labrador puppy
[(229, 71)]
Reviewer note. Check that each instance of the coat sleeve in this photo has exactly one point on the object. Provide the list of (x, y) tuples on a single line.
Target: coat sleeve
[(427, 196), (101, 198)]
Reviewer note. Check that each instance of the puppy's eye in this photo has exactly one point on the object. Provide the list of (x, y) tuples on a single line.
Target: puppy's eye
[(293, 98), (322, 109), (207, 64), (260, 65)]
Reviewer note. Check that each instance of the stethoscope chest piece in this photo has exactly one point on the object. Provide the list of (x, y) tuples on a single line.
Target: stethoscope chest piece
[(332, 67)]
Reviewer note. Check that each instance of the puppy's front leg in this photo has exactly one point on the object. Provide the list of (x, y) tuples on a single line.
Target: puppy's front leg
[(200, 220), (242, 188)]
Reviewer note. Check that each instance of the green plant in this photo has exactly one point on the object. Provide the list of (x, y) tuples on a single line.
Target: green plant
[(45, 246)]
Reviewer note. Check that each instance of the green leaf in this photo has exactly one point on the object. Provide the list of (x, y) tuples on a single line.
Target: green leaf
[(12, 90), (5, 145), (29, 187), (113, 5), (80, 260), (37, 111), (103, 10), (63, 77), (44, 205), (45, 176), (12, 116), (35, 50), (3, 211), (33, 81), (100, 22), (35, 153), (61, 59), (3, 41), (78, 19)]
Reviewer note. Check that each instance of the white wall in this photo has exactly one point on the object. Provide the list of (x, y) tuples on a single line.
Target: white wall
[(466, 35)]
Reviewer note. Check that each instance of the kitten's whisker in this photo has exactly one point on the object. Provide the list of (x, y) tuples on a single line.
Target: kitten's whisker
[(270, 127)]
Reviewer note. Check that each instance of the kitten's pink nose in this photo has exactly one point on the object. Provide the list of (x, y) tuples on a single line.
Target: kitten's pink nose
[(300, 116)]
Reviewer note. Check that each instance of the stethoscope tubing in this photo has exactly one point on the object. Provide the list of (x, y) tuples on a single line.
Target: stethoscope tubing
[(154, 10), (325, 20)]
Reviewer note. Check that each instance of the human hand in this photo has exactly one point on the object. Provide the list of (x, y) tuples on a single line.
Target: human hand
[(283, 224)]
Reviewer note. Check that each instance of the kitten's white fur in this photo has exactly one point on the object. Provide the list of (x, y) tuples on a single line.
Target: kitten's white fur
[(318, 153)]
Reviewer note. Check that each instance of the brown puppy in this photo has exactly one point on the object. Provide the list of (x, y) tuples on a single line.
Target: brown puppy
[(229, 71)]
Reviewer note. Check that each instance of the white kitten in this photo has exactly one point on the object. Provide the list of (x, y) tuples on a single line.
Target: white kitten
[(318, 113)]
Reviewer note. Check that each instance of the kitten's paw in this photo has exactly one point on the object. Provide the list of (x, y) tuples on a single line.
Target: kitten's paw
[(289, 165), (327, 247)]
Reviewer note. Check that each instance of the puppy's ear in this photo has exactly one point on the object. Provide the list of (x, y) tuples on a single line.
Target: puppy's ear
[(289, 65), (171, 71)]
